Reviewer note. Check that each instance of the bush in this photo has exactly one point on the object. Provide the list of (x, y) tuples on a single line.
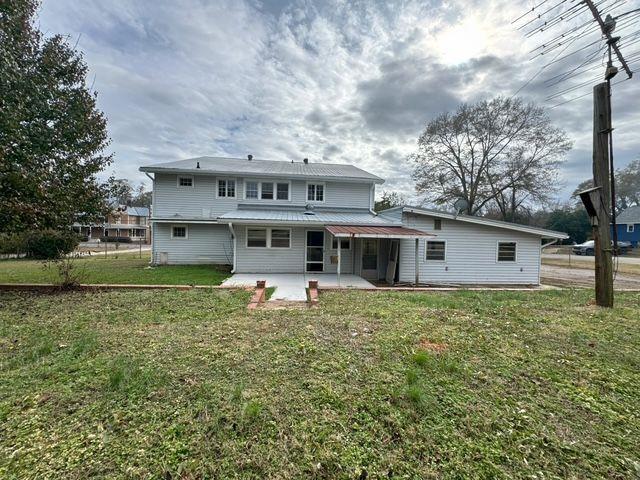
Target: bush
[(50, 244), (12, 243), (116, 239)]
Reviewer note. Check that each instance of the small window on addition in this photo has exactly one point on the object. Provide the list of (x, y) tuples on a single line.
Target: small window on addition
[(507, 251), (257, 237), (179, 232), (436, 251), (437, 224), (185, 181)]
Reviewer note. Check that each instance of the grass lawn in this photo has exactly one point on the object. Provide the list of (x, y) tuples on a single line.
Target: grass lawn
[(126, 268), (380, 385)]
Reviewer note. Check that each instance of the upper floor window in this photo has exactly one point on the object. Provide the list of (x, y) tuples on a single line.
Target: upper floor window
[(226, 188), (630, 228), (282, 192), (507, 251), (185, 181), (267, 191), (251, 190), (315, 192)]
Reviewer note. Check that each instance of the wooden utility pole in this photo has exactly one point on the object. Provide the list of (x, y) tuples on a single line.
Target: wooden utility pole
[(601, 178)]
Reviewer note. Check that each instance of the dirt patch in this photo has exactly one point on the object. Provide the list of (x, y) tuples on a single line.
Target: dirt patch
[(581, 277), (426, 344)]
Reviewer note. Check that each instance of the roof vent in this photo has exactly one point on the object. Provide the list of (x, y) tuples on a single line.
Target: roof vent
[(197, 164), (249, 157), (306, 160)]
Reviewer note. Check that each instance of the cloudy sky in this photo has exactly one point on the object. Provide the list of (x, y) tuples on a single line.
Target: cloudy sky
[(334, 81)]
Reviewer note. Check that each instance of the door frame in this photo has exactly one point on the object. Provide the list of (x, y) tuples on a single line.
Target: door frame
[(370, 275), (306, 250)]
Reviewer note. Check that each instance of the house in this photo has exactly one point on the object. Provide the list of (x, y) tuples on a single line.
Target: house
[(262, 216), (628, 226), (123, 222)]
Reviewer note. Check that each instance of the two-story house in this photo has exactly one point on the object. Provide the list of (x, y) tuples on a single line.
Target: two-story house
[(263, 216), (124, 222)]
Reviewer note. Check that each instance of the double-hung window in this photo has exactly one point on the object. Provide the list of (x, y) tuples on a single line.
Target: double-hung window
[(436, 251), (185, 181), (251, 189), (266, 191), (280, 238), (507, 251), (268, 238), (282, 191), (226, 188), (315, 192), (257, 237)]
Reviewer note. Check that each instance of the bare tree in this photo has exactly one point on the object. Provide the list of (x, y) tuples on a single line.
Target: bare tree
[(501, 152)]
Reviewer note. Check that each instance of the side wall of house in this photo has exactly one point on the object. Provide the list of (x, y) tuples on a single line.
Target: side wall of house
[(270, 260), (204, 244), (471, 252)]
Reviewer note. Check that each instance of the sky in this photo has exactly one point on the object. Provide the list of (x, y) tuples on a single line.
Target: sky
[(334, 81)]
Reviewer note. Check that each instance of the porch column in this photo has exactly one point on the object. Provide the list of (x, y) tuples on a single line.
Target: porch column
[(417, 267), (339, 259)]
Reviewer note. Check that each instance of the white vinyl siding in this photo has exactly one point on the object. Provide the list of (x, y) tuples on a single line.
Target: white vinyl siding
[(206, 244), (470, 254), (272, 260)]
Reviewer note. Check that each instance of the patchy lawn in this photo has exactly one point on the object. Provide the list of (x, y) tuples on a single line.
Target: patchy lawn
[(386, 385), (126, 268)]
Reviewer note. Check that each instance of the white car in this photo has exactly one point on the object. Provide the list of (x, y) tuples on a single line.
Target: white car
[(588, 248)]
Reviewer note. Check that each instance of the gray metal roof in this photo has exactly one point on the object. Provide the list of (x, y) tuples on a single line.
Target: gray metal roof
[(292, 216), (138, 211), (630, 215), (271, 168), (544, 233)]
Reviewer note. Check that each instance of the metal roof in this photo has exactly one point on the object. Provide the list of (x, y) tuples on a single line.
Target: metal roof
[(630, 215), (363, 217), (544, 233), (375, 232), (270, 168), (138, 211)]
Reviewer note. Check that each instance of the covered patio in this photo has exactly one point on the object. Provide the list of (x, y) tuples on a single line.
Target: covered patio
[(391, 233)]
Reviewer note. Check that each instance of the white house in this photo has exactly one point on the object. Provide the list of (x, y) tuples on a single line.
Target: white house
[(263, 216)]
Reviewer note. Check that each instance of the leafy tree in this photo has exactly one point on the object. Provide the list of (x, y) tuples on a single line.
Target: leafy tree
[(120, 191), (500, 152), (51, 134), (572, 220), (389, 200)]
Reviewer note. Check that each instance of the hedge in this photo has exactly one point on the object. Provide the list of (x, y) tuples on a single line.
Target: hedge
[(40, 244)]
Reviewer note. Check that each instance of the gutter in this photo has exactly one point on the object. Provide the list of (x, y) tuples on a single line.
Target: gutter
[(233, 235)]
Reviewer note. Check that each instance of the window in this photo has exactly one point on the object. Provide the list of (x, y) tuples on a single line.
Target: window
[(185, 181), (436, 251), (257, 237), (226, 188), (630, 228), (345, 244), (251, 190), (267, 191), (315, 192), (282, 192), (507, 251), (178, 231), (437, 224), (280, 238)]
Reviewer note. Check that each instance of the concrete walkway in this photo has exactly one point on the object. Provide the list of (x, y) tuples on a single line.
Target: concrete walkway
[(292, 286)]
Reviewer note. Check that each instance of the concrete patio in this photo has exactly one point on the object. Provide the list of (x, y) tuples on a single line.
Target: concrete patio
[(292, 286)]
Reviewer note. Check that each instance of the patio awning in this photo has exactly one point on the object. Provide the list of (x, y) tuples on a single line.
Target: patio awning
[(343, 231)]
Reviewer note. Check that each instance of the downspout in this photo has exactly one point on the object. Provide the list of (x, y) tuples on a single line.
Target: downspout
[(152, 234), (372, 198), (233, 235)]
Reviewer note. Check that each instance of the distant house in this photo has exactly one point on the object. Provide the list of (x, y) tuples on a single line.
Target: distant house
[(628, 226), (123, 222), (263, 216)]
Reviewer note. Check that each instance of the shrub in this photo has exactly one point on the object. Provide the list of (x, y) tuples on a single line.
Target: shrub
[(50, 244), (12, 243)]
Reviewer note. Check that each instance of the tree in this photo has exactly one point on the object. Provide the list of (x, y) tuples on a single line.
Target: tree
[(502, 152), (627, 187), (572, 220), (389, 200), (120, 191), (51, 134)]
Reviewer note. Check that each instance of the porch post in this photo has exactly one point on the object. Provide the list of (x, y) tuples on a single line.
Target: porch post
[(417, 267), (339, 259)]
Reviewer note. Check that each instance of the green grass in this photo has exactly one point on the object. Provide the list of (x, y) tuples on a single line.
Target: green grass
[(171, 384), (126, 268)]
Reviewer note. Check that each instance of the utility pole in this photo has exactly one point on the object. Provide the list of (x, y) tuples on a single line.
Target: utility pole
[(601, 175)]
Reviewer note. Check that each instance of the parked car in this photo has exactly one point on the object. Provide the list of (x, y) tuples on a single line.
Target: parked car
[(588, 248)]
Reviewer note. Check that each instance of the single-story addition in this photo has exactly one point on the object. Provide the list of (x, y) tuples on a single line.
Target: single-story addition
[(628, 226), (263, 216)]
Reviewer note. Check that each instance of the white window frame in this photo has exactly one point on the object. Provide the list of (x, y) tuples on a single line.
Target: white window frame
[(245, 189), (515, 259), (335, 239), (324, 192), (179, 177), (275, 191), (268, 231), (186, 231), (266, 239), (445, 251), (631, 228), (226, 187)]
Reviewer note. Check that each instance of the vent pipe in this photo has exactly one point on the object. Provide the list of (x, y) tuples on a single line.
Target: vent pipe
[(306, 160), (249, 157), (197, 164)]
